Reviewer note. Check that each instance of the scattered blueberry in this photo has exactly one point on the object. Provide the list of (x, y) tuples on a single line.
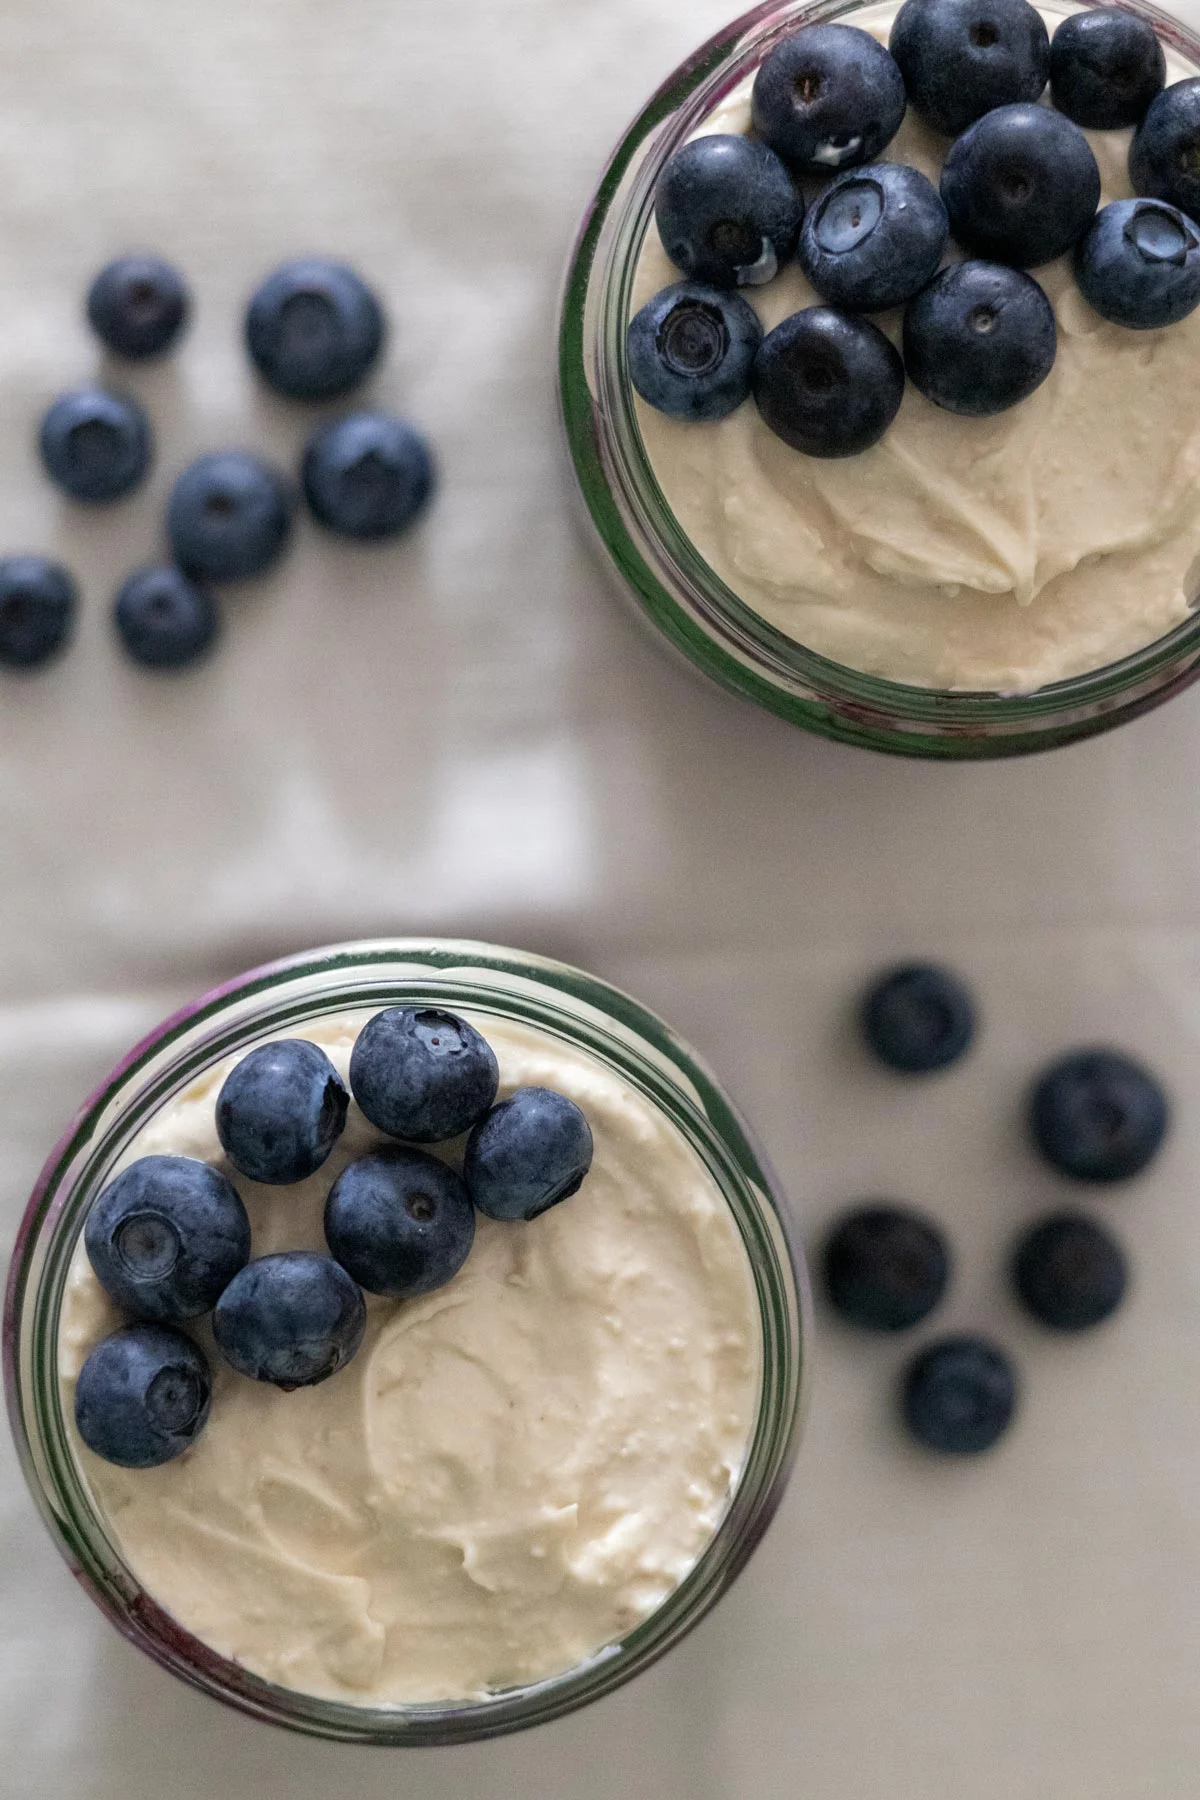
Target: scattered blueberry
[(691, 351), (980, 338), (961, 58), (1105, 68), (885, 1268), (827, 382), (367, 476), (137, 306), (38, 600), (424, 1074), (1164, 158), (229, 516), (1098, 1115), (400, 1221), (163, 619), (1139, 264), (280, 1111), (530, 1152), (874, 238), (1020, 185), (959, 1395), (293, 1319), (95, 445), (314, 329), (1070, 1272), (166, 1237), (143, 1396), (727, 211), (918, 1017), (828, 97)]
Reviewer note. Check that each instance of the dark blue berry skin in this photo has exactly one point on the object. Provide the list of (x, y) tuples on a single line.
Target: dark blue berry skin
[(38, 603), (1139, 265), (164, 620), (367, 476), (874, 237), (1069, 1272), (293, 1319), (828, 97), (400, 1221), (959, 1395), (313, 329), (727, 211), (1098, 1115), (885, 1268), (143, 1396), (828, 383), (280, 1111), (1164, 158), (95, 446), (1105, 68), (979, 338), (229, 517), (1021, 186), (530, 1152), (166, 1237), (421, 1073), (691, 350), (961, 58), (138, 306), (918, 1018)]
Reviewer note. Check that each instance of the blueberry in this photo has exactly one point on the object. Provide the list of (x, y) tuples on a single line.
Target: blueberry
[(424, 1074), (691, 350), (961, 58), (1021, 185), (1164, 158), (1098, 1115), (400, 1221), (959, 1395), (280, 1111), (229, 516), (874, 238), (727, 211), (313, 329), (530, 1152), (885, 1268), (828, 97), (143, 1396), (138, 305), (1105, 68), (828, 383), (166, 1237), (1069, 1272), (367, 476), (38, 601), (164, 620), (979, 338), (918, 1017), (1139, 264), (95, 445), (292, 1319)]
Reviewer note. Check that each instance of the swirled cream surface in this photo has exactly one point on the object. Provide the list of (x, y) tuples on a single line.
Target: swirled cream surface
[(998, 553), (511, 1473)]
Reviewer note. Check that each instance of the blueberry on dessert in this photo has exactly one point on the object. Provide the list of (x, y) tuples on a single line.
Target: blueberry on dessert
[(959, 1395), (874, 238), (313, 329), (1139, 264), (885, 1268), (166, 1237), (367, 476), (1069, 1272), (530, 1152), (691, 351), (38, 601), (1164, 158), (137, 306), (827, 382), (143, 1396), (727, 211), (1021, 185), (280, 1111), (95, 446), (826, 98), (979, 338), (400, 1222), (229, 517), (918, 1017), (424, 1074), (1105, 68), (961, 58), (1098, 1115), (293, 1319), (164, 621)]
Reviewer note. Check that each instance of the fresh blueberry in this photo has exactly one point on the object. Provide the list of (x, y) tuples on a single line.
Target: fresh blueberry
[(959, 1395), (1069, 1272), (828, 97), (530, 1152), (1020, 185), (166, 1237), (918, 1017), (1098, 1115), (95, 445), (1105, 68), (367, 476), (874, 238), (424, 1074), (229, 516), (1164, 158), (885, 1268), (828, 383), (979, 338), (143, 1396), (727, 211), (38, 601), (400, 1221), (313, 329), (164, 620), (961, 58), (137, 306), (280, 1111), (293, 1319), (1139, 264), (691, 350)]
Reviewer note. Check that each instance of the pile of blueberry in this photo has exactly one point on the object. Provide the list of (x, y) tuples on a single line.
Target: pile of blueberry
[(1019, 187), (1095, 1115), (313, 330), (169, 1239)]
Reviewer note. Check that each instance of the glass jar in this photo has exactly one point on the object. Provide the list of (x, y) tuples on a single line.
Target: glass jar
[(672, 585), (505, 984)]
